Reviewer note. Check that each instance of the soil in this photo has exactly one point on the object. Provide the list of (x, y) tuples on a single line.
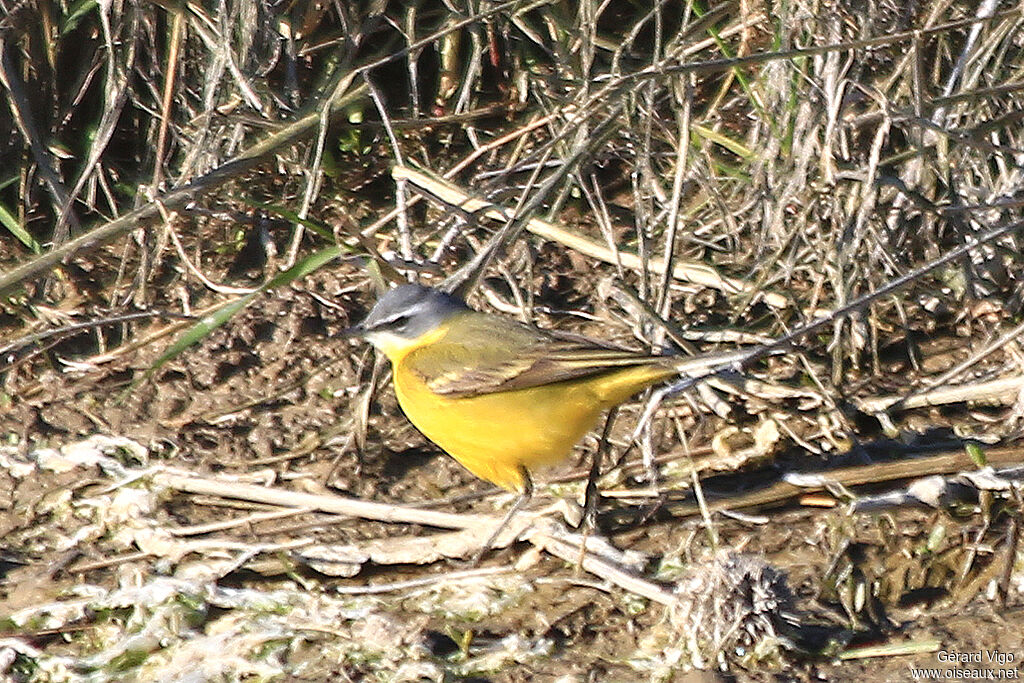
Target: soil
[(277, 395)]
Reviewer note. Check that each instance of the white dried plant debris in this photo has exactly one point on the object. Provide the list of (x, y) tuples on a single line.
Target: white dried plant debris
[(46, 667), (86, 599), (57, 505), (166, 628), (987, 479), (128, 505), (14, 464), (126, 516), (418, 671), (660, 655), (932, 491), (73, 520), (125, 638), (156, 542), (509, 651), (99, 450), (105, 452), (730, 610), (235, 653), (50, 616), (384, 633), (143, 633), (391, 647), (9, 652), (740, 445), (206, 570), (471, 598), (52, 460), (333, 560), (601, 547)]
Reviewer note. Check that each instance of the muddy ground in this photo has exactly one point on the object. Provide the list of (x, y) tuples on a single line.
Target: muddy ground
[(273, 396)]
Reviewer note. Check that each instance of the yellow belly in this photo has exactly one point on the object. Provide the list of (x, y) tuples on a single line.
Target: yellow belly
[(495, 436)]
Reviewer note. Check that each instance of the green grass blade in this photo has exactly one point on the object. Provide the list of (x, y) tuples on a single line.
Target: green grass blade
[(737, 148), (9, 221)]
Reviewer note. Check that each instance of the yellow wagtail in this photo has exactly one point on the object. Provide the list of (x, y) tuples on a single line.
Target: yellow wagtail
[(501, 397)]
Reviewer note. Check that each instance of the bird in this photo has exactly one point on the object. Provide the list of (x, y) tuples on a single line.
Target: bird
[(501, 397)]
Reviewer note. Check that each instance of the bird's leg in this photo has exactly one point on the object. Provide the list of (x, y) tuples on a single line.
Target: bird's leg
[(592, 496), (520, 502), (641, 437)]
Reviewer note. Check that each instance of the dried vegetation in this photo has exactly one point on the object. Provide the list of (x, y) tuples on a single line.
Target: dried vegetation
[(198, 476)]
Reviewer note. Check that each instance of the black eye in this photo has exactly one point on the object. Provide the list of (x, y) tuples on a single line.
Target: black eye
[(399, 322)]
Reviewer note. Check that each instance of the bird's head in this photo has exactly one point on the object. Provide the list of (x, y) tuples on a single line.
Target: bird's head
[(404, 317)]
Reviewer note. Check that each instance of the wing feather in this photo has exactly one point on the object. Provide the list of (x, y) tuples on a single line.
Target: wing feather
[(483, 354)]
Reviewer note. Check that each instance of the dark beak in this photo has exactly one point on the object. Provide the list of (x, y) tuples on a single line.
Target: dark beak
[(355, 332)]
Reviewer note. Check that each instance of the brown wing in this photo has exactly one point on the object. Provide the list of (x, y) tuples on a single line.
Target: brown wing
[(483, 354)]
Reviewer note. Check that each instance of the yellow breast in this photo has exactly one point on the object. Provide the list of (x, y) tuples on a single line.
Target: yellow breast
[(496, 435)]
